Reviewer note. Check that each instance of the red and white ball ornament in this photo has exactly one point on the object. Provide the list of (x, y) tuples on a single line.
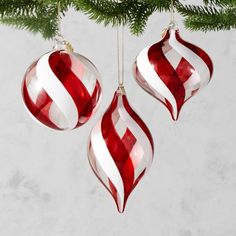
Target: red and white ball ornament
[(62, 90), (173, 70)]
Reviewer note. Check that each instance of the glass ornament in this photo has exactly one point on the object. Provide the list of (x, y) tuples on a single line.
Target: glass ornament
[(120, 149), (173, 70), (62, 90)]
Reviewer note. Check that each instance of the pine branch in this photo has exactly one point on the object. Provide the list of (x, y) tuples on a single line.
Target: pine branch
[(45, 26), (210, 17), (42, 15), (40, 19), (139, 16), (160, 5), (126, 12), (18, 7), (194, 11), (222, 20), (220, 3), (108, 12)]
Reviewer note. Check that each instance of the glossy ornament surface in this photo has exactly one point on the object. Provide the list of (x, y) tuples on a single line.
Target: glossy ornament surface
[(120, 149), (62, 90), (173, 70)]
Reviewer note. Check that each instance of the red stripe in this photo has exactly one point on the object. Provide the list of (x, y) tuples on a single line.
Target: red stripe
[(119, 148), (167, 74), (202, 54), (139, 121), (40, 109), (184, 70), (60, 63), (87, 112)]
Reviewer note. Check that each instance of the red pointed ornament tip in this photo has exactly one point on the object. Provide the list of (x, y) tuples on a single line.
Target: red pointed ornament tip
[(62, 90), (120, 149), (173, 71)]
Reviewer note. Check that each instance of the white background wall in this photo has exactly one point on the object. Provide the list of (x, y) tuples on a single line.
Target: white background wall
[(46, 185)]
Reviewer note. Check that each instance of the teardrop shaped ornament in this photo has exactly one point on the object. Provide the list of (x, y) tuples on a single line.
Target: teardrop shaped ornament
[(120, 149)]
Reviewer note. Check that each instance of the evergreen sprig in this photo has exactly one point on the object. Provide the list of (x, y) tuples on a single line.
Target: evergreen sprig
[(42, 15), (215, 15)]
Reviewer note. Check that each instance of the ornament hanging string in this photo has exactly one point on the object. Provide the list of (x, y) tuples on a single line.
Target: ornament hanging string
[(59, 39), (172, 24), (172, 16), (120, 55), (59, 18)]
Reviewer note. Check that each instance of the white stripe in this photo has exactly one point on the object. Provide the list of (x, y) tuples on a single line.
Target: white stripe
[(137, 131), (192, 84), (149, 74), (56, 116), (196, 61), (96, 166), (138, 159), (57, 91), (34, 88), (143, 83), (106, 162), (173, 58)]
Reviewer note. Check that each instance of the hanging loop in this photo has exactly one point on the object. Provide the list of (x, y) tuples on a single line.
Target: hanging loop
[(172, 16), (120, 55), (59, 41), (172, 24)]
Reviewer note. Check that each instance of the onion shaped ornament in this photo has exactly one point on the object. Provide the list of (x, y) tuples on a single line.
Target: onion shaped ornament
[(173, 70)]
